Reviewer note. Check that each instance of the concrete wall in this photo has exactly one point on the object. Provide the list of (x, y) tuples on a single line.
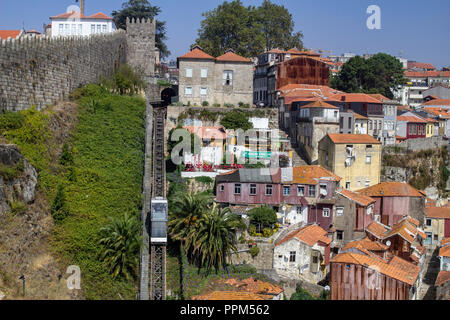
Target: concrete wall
[(263, 261), (42, 70), (196, 82), (422, 143)]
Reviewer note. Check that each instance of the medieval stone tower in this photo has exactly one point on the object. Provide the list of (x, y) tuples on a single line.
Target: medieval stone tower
[(141, 46)]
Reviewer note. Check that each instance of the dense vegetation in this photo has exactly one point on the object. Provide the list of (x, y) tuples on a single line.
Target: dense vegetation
[(382, 73), (98, 175), (248, 30), (302, 294)]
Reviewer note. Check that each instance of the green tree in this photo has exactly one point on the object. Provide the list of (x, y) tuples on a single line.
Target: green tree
[(381, 74), (262, 217), (121, 242), (143, 9), (214, 237), (247, 30), (236, 120), (302, 294), (196, 142), (278, 27), (59, 207), (66, 157)]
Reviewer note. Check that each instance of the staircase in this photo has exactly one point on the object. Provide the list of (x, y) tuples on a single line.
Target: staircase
[(431, 269), (297, 159)]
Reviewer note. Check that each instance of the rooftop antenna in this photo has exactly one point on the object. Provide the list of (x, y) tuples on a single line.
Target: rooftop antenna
[(82, 4)]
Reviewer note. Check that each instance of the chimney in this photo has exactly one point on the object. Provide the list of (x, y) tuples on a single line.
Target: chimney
[(343, 98)]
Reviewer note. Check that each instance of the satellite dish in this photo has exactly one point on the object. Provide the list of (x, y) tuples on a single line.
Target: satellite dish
[(388, 243)]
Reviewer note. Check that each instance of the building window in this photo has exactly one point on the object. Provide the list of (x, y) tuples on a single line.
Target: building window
[(253, 189), (61, 28), (237, 188), (99, 28), (74, 29), (368, 159), (323, 190), (104, 28), (204, 73), (228, 78), (80, 29), (268, 190), (301, 191), (339, 235), (367, 183), (347, 185), (203, 91), (312, 191), (222, 187), (340, 211), (299, 211), (292, 255), (286, 190), (92, 28), (67, 29), (429, 222), (188, 90), (326, 212), (335, 114), (188, 72)]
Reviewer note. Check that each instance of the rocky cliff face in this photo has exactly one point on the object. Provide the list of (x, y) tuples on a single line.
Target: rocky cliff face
[(18, 178)]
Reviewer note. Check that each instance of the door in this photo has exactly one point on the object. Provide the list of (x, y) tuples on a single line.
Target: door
[(429, 239)]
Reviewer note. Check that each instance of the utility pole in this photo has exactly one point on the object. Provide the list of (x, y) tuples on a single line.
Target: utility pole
[(82, 4)]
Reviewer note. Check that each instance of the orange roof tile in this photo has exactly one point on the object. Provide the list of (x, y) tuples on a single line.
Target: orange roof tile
[(445, 241), (100, 15), (71, 14), (367, 244), (319, 103), (276, 51), (196, 53), (310, 235), (377, 229), (255, 286), (358, 116), (391, 189), (232, 57), (442, 278), (231, 295), (397, 268), (420, 65), (438, 112), (312, 175), (444, 251), (411, 119), (208, 132), (359, 198), (379, 97), (419, 74), (432, 120), (5, 34), (354, 97), (406, 230), (437, 102), (353, 139), (438, 212)]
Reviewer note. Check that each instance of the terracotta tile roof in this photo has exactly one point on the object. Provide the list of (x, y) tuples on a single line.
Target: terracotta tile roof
[(294, 50), (355, 97), (309, 235), (208, 132), (100, 15), (406, 230), (367, 244), (420, 65), (276, 51), (5, 34), (437, 102), (444, 251), (442, 278), (232, 57), (380, 97), (377, 229), (255, 286), (78, 15), (319, 103), (196, 53), (438, 112), (358, 116), (411, 119), (231, 295), (312, 175), (397, 268), (391, 189), (437, 212), (445, 241), (353, 139), (359, 198), (419, 74), (432, 120)]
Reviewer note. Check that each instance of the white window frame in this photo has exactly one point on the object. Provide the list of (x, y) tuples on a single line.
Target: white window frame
[(204, 73), (326, 212), (301, 194), (368, 159), (227, 75), (271, 189), (255, 187), (188, 72), (339, 209), (367, 183), (288, 192), (203, 91), (238, 185), (188, 91)]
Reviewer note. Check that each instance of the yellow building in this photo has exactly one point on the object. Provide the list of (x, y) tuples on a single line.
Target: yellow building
[(435, 223), (354, 157), (432, 127)]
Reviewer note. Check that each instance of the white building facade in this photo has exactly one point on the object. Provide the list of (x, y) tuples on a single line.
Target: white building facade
[(76, 24)]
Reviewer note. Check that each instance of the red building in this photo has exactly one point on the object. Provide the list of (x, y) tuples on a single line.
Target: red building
[(395, 200), (411, 126)]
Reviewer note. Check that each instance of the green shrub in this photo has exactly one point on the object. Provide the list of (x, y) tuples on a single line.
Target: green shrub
[(204, 180), (228, 105), (205, 103), (66, 157), (254, 251), (10, 173), (252, 230), (18, 207), (263, 217), (59, 207), (216, 105), (267, 232), (11, 120), (302, 294)]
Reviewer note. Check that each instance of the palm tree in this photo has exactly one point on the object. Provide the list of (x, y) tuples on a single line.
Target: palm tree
[(121, 243), (214, 237), (185, 208)]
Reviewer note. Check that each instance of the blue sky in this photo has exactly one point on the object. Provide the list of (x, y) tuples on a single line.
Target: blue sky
[(418, 29)]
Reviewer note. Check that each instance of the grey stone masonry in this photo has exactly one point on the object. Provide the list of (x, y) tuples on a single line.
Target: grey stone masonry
[(42, 70), (141, 46)]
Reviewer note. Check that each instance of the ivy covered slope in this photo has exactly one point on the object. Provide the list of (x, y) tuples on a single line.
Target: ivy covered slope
[(97, 175), (108, 155)]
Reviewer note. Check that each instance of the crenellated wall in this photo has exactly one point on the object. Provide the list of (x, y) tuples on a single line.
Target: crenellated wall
[(42, 70)]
